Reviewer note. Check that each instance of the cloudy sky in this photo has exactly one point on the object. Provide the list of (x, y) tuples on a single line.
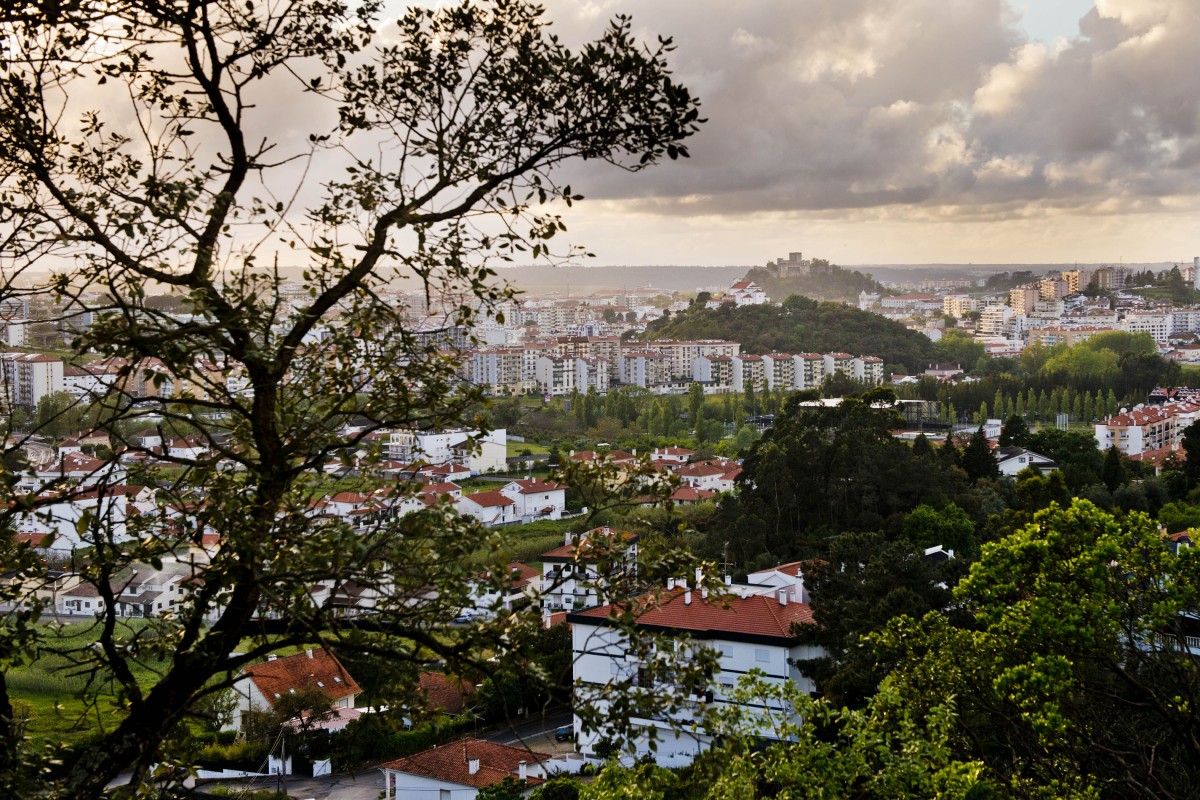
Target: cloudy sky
[(913, 131)]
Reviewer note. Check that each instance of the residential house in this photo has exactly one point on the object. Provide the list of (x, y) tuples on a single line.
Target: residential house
[(536, 498), (747, 293), (1013, 459), (577, 574), (458, 770), (490, 508), (523, 582), (744, 631), (260, 686)]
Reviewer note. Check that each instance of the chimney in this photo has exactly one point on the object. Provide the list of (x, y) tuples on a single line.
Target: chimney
[(522, 770), (699, 576), (783, 596), (687, 597), (670, 584), (704, 593), (567, 540), (473, 766), (310, 654), (729, 580)]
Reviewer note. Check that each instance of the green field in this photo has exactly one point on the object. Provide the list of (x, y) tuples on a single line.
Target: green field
[(53, 687), (519, 448)]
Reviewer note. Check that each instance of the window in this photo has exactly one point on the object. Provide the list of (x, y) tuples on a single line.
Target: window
[(726, 650), (762, 655)]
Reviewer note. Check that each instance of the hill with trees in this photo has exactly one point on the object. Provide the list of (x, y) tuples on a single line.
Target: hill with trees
[(826, 282), (801, 325)]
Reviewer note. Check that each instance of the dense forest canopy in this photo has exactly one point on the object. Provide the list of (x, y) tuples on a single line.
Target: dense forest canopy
[(826, 282)]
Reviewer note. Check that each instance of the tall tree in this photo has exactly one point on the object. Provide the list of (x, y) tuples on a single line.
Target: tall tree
[(141, 149), (1068, 670), (977, 458), (1015, 432)]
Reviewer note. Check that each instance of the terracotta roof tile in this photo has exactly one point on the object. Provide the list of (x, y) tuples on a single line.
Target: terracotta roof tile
[(322, 670), (451, 763), (759, 616), (444, 694)]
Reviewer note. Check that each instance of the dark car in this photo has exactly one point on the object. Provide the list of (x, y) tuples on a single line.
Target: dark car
[(564, 734)]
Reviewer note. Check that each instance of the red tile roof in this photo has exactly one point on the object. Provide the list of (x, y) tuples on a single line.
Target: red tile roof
[(321, 669), (758, 616), (488, 499), (444, 694), (451, 763), (537, 485), (593, 545)]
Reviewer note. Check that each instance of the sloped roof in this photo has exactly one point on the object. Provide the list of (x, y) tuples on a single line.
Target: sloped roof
[(488, 499), (451, 763), (320, 669), (443, 693), (756, 618), (592, 545), (536, 485)]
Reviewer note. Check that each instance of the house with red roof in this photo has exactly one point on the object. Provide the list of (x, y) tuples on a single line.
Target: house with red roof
[(490, 508), (577, 574), (749, 628), (261, 686), (536, 498), (458, 770), (488, 595)]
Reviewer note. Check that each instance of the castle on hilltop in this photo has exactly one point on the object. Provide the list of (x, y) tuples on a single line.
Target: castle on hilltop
[(796, 265)]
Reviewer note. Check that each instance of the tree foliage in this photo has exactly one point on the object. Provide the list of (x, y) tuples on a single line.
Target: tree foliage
[(140, 153), (801, 325), (1068, 676)]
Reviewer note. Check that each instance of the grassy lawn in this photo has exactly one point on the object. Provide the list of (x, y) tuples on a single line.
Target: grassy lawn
[(53, 687), (519, 448)]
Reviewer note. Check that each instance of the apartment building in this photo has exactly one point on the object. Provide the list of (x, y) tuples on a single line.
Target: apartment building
[(810, 370), (556, 375), (748, 371), (25, 378), (779, 370)]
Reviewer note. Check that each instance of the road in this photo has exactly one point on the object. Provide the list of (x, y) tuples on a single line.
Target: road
[(537, 734)]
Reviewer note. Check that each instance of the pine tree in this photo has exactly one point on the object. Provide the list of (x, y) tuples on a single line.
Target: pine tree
[(977, 458)]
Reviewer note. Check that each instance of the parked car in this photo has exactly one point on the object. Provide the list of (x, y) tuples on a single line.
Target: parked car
[(564, 734)]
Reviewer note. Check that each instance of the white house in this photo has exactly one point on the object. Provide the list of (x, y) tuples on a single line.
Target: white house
[(457, 771), (536, 499), (571, 575), (744, 631), (490, 508), (63, 516), (1014, 459), (477, 451), (260, 686), (714, 475), (524, 582)]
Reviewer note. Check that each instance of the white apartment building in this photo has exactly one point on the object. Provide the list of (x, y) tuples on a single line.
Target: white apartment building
[(645, 368), (958, 305), (591, 374), (556, 375), (714, 372), (1157, 325), (779, 370), (868, 369), (839, 363), (471, 449), (995, 321), (571, 577), (749, 629), (810, 370), (748, 370), (1147, 427), (498, 368), (25, 378)]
